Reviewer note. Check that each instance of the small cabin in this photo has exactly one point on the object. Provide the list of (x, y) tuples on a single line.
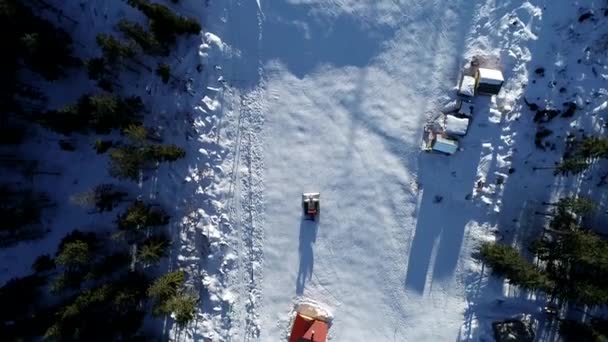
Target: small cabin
[(467, 86), (488, 81), (455, 126), (459, 108), (308, 329), (445, 145)]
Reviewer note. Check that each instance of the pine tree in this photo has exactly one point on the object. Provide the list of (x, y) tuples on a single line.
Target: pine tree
[(568, 211), (575, 259), (592, 147), (581, 155), (506, 261), (126, 162), (140, 216), (74, 255), (183, 307), (110, 311), (165, 24), (164, 288), (165, 153), (153, 249), (570, 166), (101, 113), (72, 319), (146, 40), (113, 50), (105, 112), (136, 133), (103, 197), (164, 71)]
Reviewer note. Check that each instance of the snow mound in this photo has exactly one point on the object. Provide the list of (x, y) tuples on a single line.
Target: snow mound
[(313, 309), (214, 40), (212, 48), (211, 104)]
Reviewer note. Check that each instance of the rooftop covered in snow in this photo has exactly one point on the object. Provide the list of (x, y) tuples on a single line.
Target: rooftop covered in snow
[(489, 76)]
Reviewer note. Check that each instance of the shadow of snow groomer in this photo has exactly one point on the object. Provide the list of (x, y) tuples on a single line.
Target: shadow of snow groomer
[(311, 205)]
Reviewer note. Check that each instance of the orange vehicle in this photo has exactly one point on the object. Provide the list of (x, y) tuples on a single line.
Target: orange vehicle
[(310, 325)]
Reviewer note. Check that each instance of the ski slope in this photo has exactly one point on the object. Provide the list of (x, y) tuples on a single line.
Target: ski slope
[(348, 90), (332, 96)]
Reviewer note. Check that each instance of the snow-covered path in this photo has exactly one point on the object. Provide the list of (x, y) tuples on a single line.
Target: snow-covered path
[(349, 85)]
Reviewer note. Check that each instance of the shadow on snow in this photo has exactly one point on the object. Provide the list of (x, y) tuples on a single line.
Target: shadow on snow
[(303, 42), (308, 236)]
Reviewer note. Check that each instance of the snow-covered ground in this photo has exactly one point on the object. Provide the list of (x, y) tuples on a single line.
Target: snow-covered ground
[(332, 96), (345, 90)]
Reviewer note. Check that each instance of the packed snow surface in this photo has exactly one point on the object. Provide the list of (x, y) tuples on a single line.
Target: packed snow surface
[(331, 96)]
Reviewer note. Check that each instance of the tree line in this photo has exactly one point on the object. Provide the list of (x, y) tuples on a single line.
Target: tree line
[(570, 261), (97, 286)]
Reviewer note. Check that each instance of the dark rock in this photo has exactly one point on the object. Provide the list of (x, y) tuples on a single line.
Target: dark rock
[(500, 180), (570, 109), (540, 72), (437, 199), (562, 90), (545, 115), (531, 106), (585, 16), (511, 170), (541, 134)]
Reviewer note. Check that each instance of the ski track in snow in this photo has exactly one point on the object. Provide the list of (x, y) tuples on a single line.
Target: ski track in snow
[(244, 194)]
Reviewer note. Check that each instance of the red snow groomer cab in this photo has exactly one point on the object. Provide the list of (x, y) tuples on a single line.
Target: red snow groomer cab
[(309, 326), (311, 205)]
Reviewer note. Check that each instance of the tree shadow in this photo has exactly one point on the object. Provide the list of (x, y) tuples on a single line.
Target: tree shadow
[(302, 42), (442, 215), (308, 236)]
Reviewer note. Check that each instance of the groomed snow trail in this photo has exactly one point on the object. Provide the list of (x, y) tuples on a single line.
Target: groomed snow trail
[(348, 87)]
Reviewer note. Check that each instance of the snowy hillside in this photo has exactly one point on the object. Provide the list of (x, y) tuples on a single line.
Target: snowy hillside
[(332, 96)]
